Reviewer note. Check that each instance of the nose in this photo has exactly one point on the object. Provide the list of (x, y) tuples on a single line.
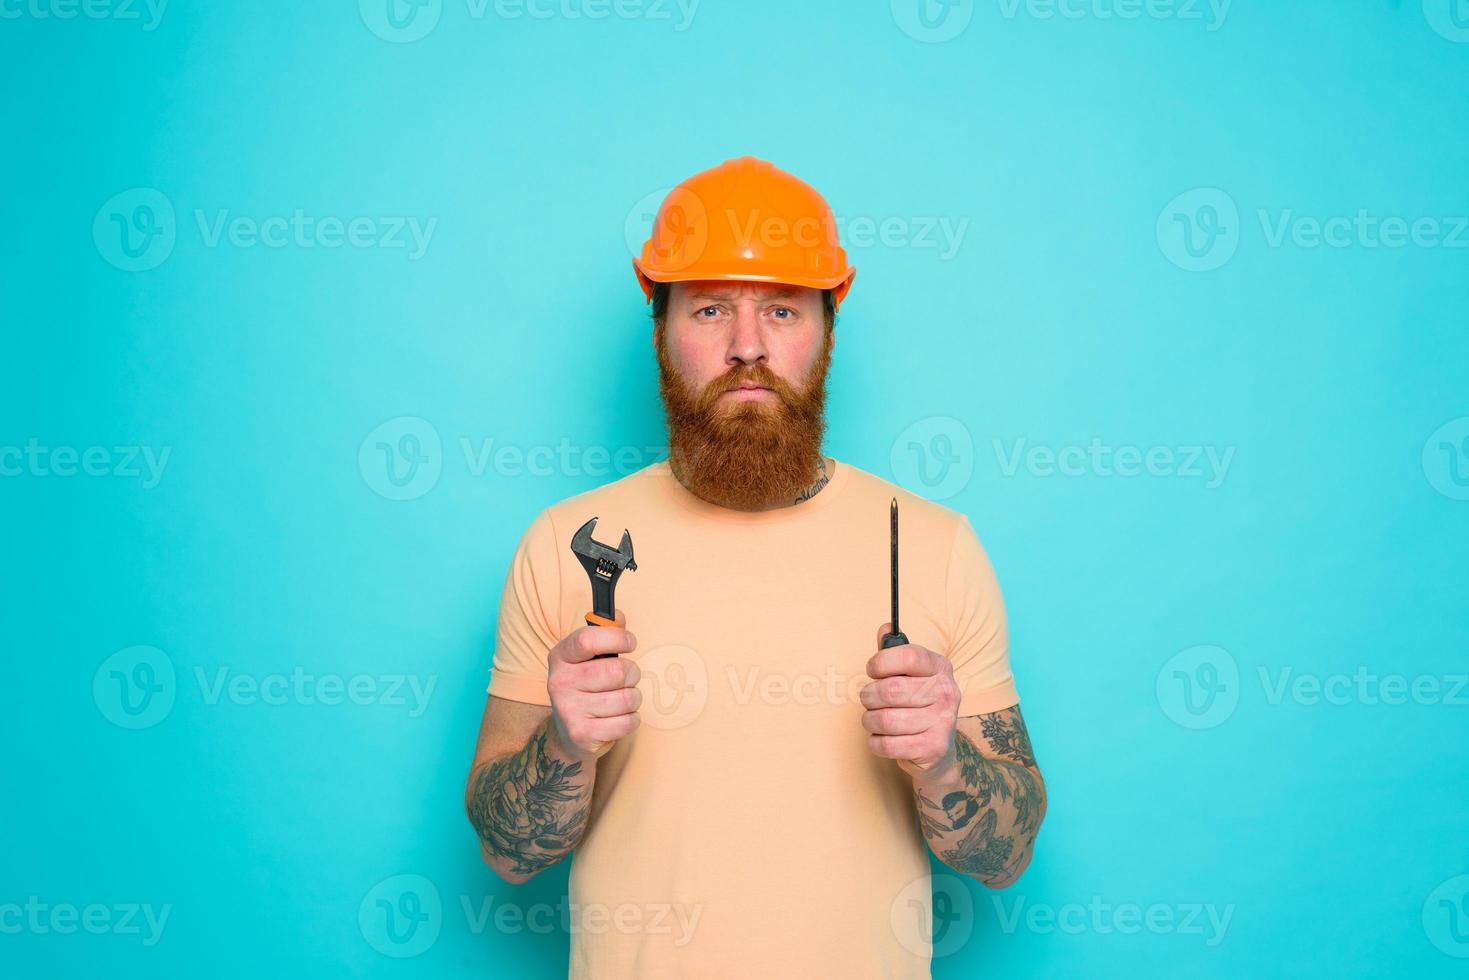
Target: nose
[(747, 338)]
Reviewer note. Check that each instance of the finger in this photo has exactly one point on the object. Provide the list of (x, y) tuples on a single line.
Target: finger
[(586, 642), (897, 721), (901, 692), (604, 675), (610, 704), (611, 729), (896, 746), (911, 660)]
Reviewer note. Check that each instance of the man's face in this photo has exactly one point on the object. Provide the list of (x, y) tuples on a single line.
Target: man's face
[(742, 371)]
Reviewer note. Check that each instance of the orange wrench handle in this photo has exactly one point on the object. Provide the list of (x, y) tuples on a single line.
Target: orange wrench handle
[(594, 620)]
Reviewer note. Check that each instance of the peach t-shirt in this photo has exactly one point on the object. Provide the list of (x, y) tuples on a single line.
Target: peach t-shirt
[(744, 830)]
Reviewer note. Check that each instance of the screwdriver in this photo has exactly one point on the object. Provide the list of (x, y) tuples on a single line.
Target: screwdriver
[(895, 638)]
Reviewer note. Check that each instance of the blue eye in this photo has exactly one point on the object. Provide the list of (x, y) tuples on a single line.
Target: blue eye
[(708, 308), (785, 309)]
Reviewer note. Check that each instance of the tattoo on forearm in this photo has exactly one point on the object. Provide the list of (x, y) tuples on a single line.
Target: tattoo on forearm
[(530, 806), (991, 788), (1005, 730)]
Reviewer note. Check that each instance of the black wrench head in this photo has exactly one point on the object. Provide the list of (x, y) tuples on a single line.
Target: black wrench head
[(594, 554)]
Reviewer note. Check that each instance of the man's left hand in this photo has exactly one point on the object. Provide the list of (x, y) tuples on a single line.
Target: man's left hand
[(912, 706)]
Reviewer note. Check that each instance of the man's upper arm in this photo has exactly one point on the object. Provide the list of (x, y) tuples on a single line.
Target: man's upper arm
[(505, 727), (978, 633), (529, 611)]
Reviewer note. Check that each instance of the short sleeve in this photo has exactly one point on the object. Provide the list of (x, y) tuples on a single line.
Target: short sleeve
[(979, 645), (526, 631)]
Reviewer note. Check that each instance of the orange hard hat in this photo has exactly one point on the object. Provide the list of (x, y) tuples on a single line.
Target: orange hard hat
[(745, 219)]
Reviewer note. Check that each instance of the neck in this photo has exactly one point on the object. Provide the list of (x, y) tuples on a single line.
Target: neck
[(821, 478)]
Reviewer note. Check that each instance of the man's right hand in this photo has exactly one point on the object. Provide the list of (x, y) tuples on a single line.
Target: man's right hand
[(593, 702)]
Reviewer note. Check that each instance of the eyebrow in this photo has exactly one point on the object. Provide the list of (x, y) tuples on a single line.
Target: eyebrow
[(779, 292)]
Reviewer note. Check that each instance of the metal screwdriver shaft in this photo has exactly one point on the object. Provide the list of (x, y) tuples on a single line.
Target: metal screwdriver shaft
[(895, 638)]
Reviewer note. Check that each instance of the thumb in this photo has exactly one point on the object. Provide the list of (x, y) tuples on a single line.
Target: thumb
[(882, 631)]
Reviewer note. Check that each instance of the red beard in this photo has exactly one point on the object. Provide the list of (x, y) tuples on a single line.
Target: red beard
[(745, 455)]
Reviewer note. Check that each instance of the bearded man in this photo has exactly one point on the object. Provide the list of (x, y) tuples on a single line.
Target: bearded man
[(746, 774)]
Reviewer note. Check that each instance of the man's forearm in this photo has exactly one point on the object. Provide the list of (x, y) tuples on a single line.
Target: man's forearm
[(981, 815), (530, 808)]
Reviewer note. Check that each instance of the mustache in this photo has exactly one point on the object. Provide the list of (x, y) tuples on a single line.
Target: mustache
[(746, 374)]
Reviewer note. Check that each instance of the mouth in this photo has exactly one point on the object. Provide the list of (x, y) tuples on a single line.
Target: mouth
[(747, 393)]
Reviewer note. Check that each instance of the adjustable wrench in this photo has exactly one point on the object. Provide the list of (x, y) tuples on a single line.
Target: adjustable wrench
[(603, 565)]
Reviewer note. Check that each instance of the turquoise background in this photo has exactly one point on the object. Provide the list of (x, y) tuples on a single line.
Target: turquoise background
[(1335, 834)]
